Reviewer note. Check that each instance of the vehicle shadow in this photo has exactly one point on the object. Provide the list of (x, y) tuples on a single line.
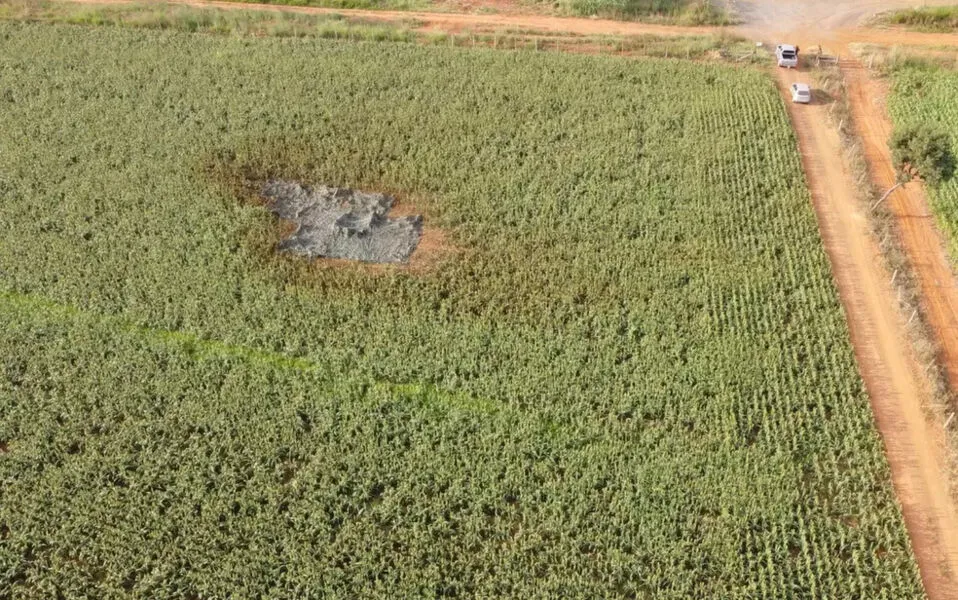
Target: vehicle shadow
[(821, 98)]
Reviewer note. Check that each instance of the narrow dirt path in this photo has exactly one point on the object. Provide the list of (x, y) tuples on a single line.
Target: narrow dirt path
[(891, 373)]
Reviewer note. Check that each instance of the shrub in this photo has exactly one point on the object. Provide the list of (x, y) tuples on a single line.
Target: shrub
[(923, 152)]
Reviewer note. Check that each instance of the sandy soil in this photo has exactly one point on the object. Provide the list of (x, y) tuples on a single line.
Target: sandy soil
[(896, 384), (824, 15)]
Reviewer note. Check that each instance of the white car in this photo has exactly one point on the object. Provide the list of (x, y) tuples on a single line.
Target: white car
[(801, 93), (787, 56)]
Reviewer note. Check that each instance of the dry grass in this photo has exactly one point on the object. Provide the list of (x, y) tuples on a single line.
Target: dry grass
[(884, 60), (924, 18)]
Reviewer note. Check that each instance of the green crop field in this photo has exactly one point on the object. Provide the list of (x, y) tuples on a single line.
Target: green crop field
[(924, 95), (923, 18), (622, 373)]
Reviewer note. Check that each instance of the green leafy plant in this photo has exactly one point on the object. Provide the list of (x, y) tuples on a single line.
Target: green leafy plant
[(922, 106), (921, 151)]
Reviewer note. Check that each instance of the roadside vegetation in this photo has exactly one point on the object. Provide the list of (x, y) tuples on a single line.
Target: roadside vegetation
[(922, 107), (922, 152), (679, 12), (924, 18), (207, 20), (886, 61), (349, 4), (885, 231), (626, 372), (683, 12), (925, 140), (258, 23)]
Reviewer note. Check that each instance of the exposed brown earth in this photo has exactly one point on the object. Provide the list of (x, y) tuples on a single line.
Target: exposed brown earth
[(809, 29)]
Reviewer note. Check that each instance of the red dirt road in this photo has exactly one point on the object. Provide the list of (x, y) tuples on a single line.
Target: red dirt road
[(925, 248), (452, 21), (458, 21), (920, 237), (895, 382)]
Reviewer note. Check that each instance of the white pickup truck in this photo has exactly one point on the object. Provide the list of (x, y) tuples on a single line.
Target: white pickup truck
[(787, 56)]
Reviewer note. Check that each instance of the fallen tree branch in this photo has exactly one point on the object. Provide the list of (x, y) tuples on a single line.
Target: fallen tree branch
[(886, 194)]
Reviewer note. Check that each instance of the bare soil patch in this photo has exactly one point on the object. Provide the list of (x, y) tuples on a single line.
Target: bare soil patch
[(243, 180), (342, 223), (433, 247)]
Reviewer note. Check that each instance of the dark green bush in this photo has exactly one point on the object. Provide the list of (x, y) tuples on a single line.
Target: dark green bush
[(923, 152)]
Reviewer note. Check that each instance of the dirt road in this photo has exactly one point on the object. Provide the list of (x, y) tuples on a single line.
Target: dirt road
[(451, 21), (920, 237), (925, 249), (896, 384), (825, 15), (892, 376)]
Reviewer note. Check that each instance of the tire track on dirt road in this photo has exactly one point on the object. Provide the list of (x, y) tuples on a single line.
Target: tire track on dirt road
[(892, 375)]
